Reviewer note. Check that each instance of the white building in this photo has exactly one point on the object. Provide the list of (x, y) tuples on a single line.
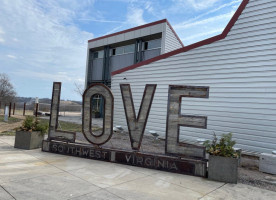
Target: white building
[(239, 66)]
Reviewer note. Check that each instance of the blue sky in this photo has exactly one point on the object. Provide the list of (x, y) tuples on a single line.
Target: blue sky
[(42, 41)]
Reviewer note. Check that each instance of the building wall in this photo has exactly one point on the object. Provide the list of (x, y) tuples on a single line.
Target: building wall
[(171, 42), (157, 28), (240, 71)]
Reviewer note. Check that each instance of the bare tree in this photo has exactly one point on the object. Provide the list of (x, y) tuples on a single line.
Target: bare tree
[(7, 91), (79, 89)]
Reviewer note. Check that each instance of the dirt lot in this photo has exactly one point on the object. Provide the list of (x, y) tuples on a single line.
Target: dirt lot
[(13, 123)]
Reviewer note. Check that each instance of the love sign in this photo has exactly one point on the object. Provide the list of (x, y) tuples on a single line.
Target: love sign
[(179, 157)]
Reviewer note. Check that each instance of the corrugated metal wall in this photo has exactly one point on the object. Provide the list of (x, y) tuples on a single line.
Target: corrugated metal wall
[(241, 73), (171, 42)]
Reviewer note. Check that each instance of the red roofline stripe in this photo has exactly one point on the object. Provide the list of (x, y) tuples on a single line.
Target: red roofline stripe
[(174, 33), (128, 30), (192, 46)]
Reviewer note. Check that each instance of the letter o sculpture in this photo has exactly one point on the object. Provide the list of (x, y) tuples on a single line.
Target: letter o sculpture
[(97, 89)]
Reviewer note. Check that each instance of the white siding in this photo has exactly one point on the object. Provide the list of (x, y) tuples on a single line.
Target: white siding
[(171, 41), (241, 73)]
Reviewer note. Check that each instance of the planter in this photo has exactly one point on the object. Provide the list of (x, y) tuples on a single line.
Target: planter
[(28, 140), (223, 169)]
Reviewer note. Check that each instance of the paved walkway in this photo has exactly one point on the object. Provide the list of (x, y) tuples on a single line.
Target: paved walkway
[(34, 174)]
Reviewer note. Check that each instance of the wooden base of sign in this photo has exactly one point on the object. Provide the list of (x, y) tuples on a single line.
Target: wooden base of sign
[(153, 161)]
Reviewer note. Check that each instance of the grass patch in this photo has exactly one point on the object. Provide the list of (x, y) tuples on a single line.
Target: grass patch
[(8, 133), (69, 126), (11, 119)]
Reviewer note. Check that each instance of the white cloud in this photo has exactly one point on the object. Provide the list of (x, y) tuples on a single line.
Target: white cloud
[(11, 56), (202, 35), (201, 4), (149, 7), (135, 16), (44, 35), (1, 31), (207, 24), (185, 25)]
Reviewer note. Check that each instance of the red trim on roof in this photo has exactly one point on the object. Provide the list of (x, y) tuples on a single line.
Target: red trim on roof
[(131, 29), (174, 33), (192, 46)]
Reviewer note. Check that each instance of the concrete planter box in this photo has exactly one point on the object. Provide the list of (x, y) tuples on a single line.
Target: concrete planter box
[(28, 140), (267, 163), (223, 169)]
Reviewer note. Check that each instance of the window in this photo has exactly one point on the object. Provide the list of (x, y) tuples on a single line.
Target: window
[(95, 55), (119, 50), (152, 44), (122, 50), (146, 44), (101, 54), (98, 54), (129, 48), (113, 52)]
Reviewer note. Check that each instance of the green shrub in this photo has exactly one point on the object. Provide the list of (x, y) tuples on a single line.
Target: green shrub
[(32, 124), (223, 147)]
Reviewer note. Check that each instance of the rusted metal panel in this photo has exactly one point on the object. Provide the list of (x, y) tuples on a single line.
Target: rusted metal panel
[(175, 119), (13, 111), (152, 161), (24, 109), (136, 125), (53, 133), (98, 89), (10, 109), (36, 109)]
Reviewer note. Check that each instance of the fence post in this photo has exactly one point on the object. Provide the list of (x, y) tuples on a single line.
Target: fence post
[(24, 109), (10, 109), (13, 109), (36, 109)]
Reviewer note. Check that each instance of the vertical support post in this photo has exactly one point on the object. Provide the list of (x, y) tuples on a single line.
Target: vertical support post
[(10, 109), (13, 109), (24, 108), (136, 52), (36, 109), (140, 51)]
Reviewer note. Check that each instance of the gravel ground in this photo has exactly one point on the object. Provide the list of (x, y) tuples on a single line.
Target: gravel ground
[(120, 141), (257, 179)]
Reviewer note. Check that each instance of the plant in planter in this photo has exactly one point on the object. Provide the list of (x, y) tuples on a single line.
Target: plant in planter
[(223, 159), (30, 134)]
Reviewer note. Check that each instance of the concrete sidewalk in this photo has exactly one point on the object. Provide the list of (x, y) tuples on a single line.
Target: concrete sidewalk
[(34, 174)]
